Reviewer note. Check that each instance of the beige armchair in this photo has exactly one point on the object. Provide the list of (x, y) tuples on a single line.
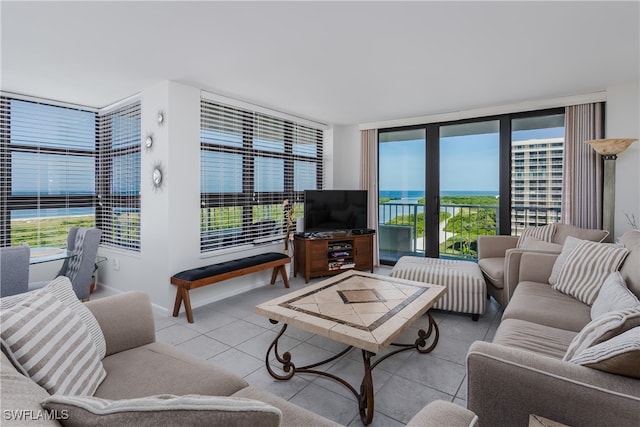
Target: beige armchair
[(499, 258)]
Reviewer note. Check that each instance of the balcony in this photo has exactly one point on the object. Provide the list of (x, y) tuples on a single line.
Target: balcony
[(401, 227)]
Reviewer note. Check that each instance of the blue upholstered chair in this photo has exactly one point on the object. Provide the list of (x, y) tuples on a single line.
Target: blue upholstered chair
[(14, 270)]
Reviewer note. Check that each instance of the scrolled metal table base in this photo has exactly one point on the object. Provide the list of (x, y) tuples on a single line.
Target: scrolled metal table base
[(365, 395)]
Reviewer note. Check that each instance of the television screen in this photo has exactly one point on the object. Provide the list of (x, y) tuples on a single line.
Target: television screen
[(334, 210)]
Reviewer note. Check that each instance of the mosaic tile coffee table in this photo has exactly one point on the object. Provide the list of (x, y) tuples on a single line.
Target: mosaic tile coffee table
[(361, 310)]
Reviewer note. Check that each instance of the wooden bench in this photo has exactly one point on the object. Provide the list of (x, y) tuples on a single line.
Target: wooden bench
[(209, 274)]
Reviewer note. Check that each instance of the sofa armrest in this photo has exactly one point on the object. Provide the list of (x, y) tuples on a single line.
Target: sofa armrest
[(126, 320), (512, 261), (506, 385), (495, 246), (536, 266)]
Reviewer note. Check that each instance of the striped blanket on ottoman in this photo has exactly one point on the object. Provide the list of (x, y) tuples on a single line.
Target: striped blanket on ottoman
[(466, 289)]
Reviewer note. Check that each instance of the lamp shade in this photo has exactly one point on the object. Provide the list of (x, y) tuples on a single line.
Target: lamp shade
[(610, 146)]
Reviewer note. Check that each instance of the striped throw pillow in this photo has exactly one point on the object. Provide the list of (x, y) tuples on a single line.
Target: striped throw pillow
[(602, 329), (614, 295), (620, 355), (51, 345), (570, 244), (544, 233), (62, 289), (587, 267)]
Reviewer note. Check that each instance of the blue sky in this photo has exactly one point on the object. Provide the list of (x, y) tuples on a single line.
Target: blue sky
[(467, 163), (470, 163)]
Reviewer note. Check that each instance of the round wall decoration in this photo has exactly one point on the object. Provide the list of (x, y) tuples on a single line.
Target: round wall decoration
[(156, 177)]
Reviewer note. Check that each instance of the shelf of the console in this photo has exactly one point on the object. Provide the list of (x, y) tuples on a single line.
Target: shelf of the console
[(317, 256)]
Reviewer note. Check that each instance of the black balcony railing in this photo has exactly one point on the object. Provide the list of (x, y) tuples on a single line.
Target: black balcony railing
[(401, 227)]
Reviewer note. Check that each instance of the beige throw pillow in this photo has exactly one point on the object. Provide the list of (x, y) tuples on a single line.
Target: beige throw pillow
[(614, 295), (603, 328), (531, 243), (163, 410), (544, 233), (620, 355), (587, 267), (569, 246), (62, 289), (51, 345)]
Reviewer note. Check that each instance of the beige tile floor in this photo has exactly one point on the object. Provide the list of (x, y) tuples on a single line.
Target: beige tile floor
[(229, 333)]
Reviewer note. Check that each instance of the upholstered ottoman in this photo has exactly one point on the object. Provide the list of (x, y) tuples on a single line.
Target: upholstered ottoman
[(466, 288)]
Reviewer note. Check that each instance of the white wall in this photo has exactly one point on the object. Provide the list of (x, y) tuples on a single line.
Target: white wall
[(346, 151), (170, 215), (327, 158), (623, 121), (148, 270)]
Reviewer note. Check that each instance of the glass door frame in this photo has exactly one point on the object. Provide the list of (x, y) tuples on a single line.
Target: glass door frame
[(432, 171), (391, 260)]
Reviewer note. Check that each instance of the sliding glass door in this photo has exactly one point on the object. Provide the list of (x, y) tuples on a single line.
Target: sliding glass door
[(402, 174), (438, 189), (444, 184), (469, 186)]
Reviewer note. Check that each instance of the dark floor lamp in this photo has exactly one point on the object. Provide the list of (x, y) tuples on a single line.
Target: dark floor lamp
[(609, 150)]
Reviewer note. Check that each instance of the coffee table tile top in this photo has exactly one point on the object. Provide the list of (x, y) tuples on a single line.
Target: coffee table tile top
[(356, 308)]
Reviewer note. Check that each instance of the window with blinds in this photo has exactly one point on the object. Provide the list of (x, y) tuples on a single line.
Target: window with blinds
[(118, 139), (62, 167), (250, 163), (47, 171)]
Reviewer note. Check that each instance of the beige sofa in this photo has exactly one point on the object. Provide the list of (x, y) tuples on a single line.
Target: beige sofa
[(521, 372), (499, 258), (138, 366)]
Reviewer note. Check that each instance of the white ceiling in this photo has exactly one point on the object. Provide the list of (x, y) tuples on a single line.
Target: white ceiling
[(334, 62)]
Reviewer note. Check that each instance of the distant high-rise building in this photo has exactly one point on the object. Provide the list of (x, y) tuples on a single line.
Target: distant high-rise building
[(536, 182)]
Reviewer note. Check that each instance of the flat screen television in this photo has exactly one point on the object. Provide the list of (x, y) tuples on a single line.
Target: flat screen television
[(334, 210)]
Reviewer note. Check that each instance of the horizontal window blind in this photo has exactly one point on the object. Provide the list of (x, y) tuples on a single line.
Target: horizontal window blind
[(250, 164), (47, 171), (118, 177)]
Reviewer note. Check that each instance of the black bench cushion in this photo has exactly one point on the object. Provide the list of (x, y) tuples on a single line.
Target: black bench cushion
[(227, 266)]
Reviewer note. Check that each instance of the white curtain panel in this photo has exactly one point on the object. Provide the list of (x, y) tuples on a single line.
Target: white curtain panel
[(582, 168), (369, 182)]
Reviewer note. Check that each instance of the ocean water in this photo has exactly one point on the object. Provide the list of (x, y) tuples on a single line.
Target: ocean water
[(403, 196), (414, 195), (50, 213)]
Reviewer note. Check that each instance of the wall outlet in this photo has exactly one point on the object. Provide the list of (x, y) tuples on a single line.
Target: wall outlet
[(116, 264)]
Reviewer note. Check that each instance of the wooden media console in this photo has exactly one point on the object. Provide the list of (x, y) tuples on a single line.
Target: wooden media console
[(332, 254)]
